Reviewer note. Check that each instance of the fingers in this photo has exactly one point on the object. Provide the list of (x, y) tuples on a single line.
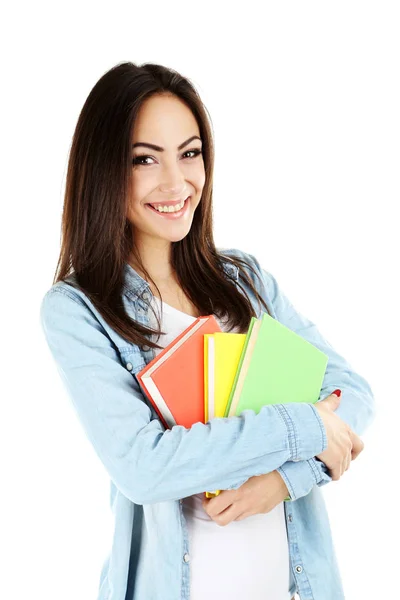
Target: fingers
[(336, 472), (358, 444), (216, 505), (347, 462), (356, 448), (232, 513), (354, 451)]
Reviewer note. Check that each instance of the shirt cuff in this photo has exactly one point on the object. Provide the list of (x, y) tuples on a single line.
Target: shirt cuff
[(301, 477), (306, 431)]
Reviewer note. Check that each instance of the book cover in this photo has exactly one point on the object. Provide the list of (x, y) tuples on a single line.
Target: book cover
[(221, 364), (282, 367), (174, 380)]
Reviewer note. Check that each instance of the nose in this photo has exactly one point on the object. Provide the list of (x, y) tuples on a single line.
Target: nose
[(173, 180)]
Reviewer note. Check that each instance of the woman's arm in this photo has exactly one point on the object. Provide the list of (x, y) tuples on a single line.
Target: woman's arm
[(147, 463), (357, 407)]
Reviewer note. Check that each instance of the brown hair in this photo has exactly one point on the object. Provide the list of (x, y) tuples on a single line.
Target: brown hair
[(96, 236)]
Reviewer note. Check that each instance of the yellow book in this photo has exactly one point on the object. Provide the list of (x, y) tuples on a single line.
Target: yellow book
[(222, 353), (206, 337)]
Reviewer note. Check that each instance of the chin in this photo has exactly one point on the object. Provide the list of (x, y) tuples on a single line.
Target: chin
[(177, 238)]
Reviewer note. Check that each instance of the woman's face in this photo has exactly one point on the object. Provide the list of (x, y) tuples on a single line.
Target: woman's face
[(160, 176)]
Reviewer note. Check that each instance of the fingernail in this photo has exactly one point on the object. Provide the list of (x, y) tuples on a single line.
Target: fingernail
[(338, 393)]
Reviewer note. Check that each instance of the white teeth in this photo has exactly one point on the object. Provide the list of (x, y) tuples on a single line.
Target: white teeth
[(169, 208)]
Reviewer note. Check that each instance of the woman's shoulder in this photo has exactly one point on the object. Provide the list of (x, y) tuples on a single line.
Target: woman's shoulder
[(68, 315), (64, 302), (65, 290)]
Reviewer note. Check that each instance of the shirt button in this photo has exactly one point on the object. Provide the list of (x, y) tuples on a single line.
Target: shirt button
[(129, 366), (186, 557), (145, 348), (290, 518), (299, 568), (146, 296)]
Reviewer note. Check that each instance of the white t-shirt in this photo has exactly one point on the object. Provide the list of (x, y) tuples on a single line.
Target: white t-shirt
[(255, 550)]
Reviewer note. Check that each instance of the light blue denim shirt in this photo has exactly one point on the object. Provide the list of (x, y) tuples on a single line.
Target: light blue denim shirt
[(152, 469)]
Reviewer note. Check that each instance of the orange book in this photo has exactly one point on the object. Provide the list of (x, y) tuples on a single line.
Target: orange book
[(174, 380)]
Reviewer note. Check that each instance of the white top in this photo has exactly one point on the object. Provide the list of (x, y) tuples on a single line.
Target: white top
[(255, 550)]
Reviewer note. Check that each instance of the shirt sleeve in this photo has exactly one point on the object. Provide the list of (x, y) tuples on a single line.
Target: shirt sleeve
[(357, 407), (146, 462)]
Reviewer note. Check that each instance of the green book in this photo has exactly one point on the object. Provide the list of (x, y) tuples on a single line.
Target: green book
[(277, 366)]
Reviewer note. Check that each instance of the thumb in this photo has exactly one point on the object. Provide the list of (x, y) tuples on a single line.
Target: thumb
[(334, 398)]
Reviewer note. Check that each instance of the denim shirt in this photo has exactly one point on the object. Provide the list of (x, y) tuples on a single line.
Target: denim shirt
[(151, 469)]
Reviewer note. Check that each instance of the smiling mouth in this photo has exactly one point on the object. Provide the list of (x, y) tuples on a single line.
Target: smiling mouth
[(167, 212)]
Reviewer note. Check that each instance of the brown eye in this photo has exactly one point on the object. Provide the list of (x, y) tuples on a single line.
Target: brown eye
[(195, 152), (137, 160)]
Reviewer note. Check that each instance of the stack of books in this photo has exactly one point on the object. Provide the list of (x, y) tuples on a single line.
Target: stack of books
[(205, 373)]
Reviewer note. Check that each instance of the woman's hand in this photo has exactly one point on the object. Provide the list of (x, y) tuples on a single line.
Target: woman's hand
[(344, 445), (259, 494)]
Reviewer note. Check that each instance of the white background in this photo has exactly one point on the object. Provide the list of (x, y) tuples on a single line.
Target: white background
[(304, 99)]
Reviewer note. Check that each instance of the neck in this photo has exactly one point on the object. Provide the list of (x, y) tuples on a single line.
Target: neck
[(156, 261)]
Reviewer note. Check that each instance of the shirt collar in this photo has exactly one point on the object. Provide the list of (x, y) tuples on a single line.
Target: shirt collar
[(134, 285)]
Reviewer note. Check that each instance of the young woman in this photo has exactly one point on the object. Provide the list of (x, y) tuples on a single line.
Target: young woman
[(138, 264)]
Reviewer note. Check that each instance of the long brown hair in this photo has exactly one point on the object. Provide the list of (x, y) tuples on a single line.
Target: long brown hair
[(96, 236)]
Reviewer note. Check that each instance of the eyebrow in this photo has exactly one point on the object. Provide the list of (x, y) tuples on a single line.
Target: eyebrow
[(160, 149)]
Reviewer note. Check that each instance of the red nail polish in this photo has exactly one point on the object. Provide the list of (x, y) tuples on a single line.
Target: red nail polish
[(338, 393)]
